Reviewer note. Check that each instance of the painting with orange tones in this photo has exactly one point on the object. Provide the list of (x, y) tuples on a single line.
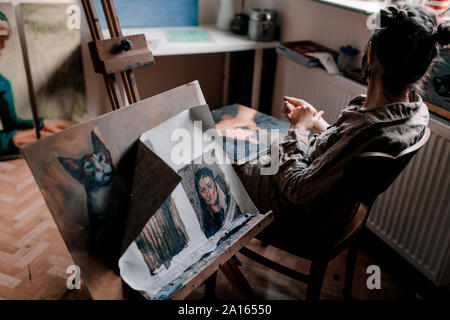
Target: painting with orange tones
[(246, 132)]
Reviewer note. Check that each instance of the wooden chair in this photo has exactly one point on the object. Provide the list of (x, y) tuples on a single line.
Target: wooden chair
[(342, 230)]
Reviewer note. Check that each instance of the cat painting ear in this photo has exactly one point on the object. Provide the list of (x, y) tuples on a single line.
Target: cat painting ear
[(96, 142), (73, 166)]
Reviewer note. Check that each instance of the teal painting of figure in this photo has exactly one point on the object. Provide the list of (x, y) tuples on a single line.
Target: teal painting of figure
[(55, 61)]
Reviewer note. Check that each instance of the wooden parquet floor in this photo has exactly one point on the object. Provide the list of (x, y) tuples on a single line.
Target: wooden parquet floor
[(33, 256)]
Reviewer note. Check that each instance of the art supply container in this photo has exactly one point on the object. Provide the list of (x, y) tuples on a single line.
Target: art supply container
[(348, 58), (226, 14), (262, 24)]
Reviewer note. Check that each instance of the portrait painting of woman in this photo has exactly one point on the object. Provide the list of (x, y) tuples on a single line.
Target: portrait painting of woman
[(210, 196)]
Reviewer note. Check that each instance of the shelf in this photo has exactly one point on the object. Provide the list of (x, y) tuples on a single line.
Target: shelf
[(220, 41)]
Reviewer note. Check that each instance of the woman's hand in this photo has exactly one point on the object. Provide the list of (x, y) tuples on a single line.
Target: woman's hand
[(303, 116), (24, 137), (54, 126)]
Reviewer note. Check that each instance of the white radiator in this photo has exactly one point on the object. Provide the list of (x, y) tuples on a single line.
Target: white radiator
[(413, 215)]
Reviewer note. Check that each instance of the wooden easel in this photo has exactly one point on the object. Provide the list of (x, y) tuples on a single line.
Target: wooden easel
[(121, 55), (117, 55)]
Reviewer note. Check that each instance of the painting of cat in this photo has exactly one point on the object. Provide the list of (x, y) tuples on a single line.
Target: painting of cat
[(96, 172)]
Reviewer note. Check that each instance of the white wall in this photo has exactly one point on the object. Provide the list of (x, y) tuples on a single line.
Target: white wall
[(303, 19)]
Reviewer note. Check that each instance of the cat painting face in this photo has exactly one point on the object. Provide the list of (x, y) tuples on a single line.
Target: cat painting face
[(94, 170)]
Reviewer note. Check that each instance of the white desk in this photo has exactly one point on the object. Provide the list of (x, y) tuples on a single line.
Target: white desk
[(221, 42)]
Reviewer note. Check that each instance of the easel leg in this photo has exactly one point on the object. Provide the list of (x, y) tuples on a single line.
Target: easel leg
[(113, 91), (257, 72), (316, 275), (226, 79), (210, 287), (129, 83), (350, 269), (238, 282)]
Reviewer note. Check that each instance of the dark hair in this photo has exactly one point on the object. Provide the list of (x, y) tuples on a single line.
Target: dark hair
[(203, 172), (406, 44)]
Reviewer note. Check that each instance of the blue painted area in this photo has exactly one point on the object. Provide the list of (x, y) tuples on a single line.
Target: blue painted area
[(153, 13), (192, 36), (170, 289)]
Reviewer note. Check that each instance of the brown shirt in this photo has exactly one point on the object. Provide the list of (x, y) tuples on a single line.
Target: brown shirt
[(312, 164)]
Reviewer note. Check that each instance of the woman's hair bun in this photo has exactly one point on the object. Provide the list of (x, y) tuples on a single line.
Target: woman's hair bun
[(392, 15), (443, 34)]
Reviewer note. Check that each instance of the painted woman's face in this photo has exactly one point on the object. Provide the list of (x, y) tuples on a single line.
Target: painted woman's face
[(208, 191), (4, 34)]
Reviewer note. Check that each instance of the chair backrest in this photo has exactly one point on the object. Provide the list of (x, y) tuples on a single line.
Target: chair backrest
[(379, 170), (371, 174)]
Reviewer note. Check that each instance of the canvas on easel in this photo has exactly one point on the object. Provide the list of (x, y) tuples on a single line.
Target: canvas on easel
[(209, 201), (85, 174), (100, 175)]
